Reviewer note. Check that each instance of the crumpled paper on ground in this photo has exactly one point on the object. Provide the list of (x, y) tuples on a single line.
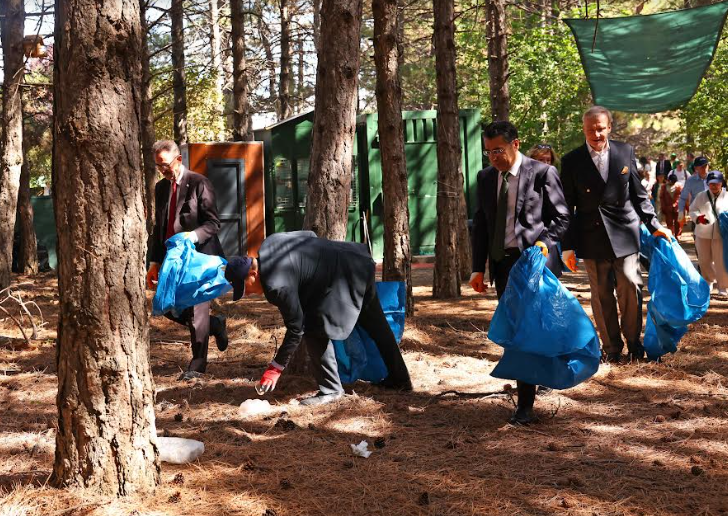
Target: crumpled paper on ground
[(361, 449)]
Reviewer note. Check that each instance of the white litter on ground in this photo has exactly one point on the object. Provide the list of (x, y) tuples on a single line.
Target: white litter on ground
[(177, 450), (254, 407), (361, 449)]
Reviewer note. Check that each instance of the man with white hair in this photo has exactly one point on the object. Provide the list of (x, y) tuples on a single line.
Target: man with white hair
[(607, 201)]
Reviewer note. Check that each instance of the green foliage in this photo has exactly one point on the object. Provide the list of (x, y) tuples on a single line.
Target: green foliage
[(704, 121)]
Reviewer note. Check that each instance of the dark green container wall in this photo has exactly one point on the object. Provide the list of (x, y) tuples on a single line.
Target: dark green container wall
[(420, 129), (287, 158), (44, 223)]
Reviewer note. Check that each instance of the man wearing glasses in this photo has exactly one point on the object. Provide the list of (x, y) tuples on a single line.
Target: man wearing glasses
[(185, 202), (520, 204)]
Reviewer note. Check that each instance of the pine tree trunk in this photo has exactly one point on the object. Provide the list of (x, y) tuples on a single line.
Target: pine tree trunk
[(329, 180), (496, 31), (12, 18), (28, 252), (301, 82), (387, 51), (176, 14), (147, 127), (106, 436), (241, 109), (215, 49), (285, 109), (446, 281)]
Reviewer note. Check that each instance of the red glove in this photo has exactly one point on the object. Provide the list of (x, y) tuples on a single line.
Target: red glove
[(269, 379), (701, 219)]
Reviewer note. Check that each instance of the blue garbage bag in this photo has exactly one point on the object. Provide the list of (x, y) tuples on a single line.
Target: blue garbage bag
[(547, 337), (647, 242), (188, 278), (723, 227), (358, 357), (678, 296)]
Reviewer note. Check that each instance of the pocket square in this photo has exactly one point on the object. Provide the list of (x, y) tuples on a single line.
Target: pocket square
[(625, 170)]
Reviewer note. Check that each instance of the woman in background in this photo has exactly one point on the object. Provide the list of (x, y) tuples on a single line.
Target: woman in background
[(544, 153)]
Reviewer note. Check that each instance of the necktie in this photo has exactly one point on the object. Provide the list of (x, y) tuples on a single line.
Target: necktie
[(172, 211), (497, 245)]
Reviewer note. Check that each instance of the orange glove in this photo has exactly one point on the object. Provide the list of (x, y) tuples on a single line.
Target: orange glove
[(476, 281), (152, 276), (663, 233), (544, 248), (569, 258)]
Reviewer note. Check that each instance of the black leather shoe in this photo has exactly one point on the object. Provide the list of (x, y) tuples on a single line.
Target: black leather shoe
[(396, 385), (524, 416), (189, 375), (636, 356), (321, 399), (220, 333), (613, 358)]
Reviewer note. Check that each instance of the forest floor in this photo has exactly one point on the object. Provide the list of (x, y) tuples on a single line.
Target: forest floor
[(637, 439)]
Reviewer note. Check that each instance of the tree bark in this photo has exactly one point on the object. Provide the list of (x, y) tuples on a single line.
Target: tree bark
[(496, 31), (241, 109), (28, 251), (285, 108), (329, 180), (106, 436), (176, 14), (270, 63), (301, 82), (12, 19), (215, 50), (317, 25), (387, 52), (147, 127), (446, 281)]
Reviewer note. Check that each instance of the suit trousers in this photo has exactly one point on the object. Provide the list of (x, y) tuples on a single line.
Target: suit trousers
[(624, 276), (372, 319), (502, 268), (197, 318), (710, 257)]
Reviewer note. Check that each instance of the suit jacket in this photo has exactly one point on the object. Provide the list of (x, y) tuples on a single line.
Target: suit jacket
[(663, 166), (605, 217), (318, 285), (196, 211), (541, 212)]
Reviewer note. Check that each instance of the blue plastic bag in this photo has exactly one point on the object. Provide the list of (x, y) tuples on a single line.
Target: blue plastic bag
[(723, 227), (547, 337), (678, 295), (358, 357), (188, 278)]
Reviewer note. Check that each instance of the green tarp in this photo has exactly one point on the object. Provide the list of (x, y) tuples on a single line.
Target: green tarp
[(648, 64)]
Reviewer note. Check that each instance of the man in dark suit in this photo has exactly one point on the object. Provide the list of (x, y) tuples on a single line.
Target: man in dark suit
[(185, 202), (663, 165), (520, 204), (322, 289), (607, 201)]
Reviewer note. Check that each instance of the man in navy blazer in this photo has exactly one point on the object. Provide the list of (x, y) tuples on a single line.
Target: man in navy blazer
[(529, 209), (606, 203)]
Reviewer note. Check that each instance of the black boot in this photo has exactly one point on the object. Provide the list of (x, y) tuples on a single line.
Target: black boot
[(524, 414), (218, 329)]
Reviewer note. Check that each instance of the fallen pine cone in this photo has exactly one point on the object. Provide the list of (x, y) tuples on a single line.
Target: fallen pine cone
[(175, 498), (178, 479), (697, 470), (424, 499)]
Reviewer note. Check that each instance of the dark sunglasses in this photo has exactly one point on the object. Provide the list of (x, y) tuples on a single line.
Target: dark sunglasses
[(543, 146)]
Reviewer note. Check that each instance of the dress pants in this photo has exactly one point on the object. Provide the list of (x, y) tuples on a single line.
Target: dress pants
[(501, 270), (623, 274), (199, 321), (373, 320), (710, 257)]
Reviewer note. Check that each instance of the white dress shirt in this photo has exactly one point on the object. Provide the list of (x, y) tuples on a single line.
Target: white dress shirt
[(601, 160), (512, 195)]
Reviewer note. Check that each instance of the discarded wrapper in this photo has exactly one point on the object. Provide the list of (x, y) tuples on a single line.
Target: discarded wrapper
[(254, 407), (361, 449)]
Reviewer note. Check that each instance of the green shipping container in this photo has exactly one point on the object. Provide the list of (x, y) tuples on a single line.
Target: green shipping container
[(287, 156)]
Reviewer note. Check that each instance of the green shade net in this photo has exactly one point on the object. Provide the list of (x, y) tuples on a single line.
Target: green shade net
[(648, 64)]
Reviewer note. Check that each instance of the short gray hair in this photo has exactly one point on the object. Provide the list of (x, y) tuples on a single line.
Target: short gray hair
[(165, 146), (595, 111)]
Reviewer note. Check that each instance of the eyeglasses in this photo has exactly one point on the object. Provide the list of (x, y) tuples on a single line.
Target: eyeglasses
[(166, 166), (543, 146), (494, 152)]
